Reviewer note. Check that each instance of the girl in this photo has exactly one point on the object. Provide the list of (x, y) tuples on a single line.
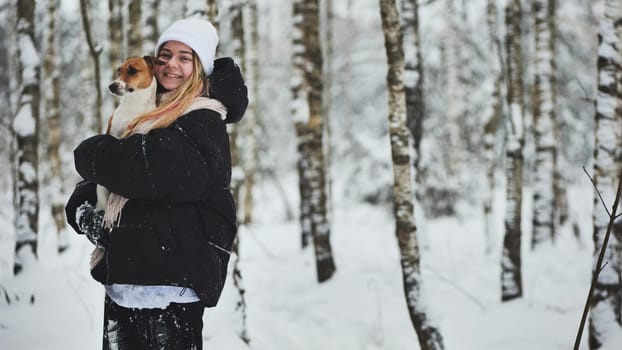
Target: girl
[(171, 212)]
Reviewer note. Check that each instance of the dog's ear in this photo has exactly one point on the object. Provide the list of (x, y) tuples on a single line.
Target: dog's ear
[(151, 61)]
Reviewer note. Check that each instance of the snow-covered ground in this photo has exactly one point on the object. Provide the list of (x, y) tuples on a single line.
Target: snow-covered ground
[(361, 307)]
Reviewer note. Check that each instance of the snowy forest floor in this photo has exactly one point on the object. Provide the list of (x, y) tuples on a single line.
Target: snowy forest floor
[(361, 307)]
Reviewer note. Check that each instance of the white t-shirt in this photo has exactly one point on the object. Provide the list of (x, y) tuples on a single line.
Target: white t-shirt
[(149, 297)]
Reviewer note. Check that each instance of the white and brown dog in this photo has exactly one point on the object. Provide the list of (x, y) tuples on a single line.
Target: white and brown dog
[(136, 86)]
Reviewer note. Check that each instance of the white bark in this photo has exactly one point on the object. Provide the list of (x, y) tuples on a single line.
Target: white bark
[(544, 120), (403, 210), (605, 314), (26, 128), (511, 270)]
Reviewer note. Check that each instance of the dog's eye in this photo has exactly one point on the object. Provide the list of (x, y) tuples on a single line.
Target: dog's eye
[(132, 71)]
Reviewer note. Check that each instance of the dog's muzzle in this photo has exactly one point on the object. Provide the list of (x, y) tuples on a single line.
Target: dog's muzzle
[(118, 88)]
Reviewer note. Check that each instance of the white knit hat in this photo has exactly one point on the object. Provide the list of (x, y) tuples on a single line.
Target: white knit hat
[(199, 34)]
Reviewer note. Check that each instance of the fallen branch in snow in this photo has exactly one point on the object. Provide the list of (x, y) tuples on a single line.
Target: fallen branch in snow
[(599, 264)]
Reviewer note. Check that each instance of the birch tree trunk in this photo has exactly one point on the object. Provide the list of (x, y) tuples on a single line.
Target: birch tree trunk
[(439, 196), (320, 227), (560, 207), (511, 272), (239, 53), (327, 41), (238, 282), (206, 9), (212, 12), (544, 125), (52, 109), (413, 77), (405, 229), (492, 122), (8, 74), (26, 129), (151, 30), (252, 79), (94, 50), (606, 309), (115, 35), (135, 32), (300, 111)]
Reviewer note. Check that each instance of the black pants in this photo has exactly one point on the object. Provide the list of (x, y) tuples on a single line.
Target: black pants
[(178, 327)]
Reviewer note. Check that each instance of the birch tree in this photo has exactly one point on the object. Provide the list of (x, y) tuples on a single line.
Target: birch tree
[(605, 305), (440, 184), (94, 51), (135, 33), (8, 104), (405, 229), (206, 9), (26, 129), (52, 116), (320, 227), (6, 73), (544, 124), (115, 34), (413, 76), (252, 80), (307, 111), (492, 120), (560, 207), (239, 53), (151, 29), (511, 273), (327, 17), (300, 111)]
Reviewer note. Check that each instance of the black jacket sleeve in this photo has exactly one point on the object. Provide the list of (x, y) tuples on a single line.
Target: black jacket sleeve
[(178, 163), (227, 85), (83, 193)]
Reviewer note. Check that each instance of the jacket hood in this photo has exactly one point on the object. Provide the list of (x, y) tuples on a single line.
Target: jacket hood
[(227, 85)]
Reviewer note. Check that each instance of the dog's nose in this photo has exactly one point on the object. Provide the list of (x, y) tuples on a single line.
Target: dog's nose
[(116, 88)]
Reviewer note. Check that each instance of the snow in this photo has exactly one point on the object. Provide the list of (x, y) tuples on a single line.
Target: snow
[(29, 59), (361, 307), (24, 123)]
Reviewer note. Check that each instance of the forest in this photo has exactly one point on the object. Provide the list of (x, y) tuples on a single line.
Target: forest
[(440, 174)]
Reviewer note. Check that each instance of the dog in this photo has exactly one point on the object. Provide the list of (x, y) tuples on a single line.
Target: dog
[(136, 87)]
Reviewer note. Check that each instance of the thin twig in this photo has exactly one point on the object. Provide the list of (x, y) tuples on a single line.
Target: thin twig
[(602, 268), (601, 256), (597, 191)]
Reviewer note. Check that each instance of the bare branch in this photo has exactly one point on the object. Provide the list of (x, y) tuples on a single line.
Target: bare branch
[(602, 268), (598, 268), (597, 191)]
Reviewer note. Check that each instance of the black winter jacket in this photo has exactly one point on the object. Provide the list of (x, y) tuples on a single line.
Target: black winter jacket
[(179, 222)]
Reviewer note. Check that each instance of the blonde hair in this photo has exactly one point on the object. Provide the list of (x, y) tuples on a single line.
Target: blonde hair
[(176, 104)]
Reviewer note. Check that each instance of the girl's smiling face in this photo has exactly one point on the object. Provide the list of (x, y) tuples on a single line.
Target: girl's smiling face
[(175, 65)]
